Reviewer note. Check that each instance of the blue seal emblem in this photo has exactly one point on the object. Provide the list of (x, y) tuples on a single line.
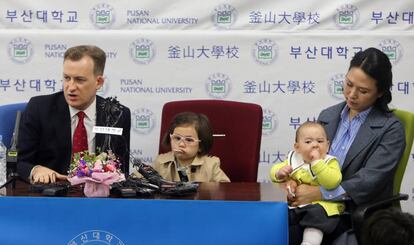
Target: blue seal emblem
[(265, 51), (95, 237), (102, 16), (142, 51), (336, 86), (269, 123), (20, 50), (346, 17), (393, 49), (143, 121), (224, 16), (218, 85)]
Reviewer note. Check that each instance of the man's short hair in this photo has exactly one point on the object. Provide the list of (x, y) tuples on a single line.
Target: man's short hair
[(97, 55), (388, 226)]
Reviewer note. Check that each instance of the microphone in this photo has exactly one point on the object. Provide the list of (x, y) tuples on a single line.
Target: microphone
[(11, 156), (112, 113), (183, 174)]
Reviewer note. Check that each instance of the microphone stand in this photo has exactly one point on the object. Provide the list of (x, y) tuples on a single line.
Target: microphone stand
[(112, 112), (12, 177), (11, 156)]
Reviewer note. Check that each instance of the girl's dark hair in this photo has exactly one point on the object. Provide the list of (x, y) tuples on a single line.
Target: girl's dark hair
[(377, 65), (201, 125)]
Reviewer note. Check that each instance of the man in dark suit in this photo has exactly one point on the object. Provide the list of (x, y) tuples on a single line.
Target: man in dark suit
[(49, 122)]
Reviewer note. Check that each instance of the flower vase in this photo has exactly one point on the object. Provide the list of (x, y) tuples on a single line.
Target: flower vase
[(93, 189)]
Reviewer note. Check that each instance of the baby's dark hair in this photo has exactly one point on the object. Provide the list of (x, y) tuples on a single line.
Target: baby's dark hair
[(309, 124), (201, 125)]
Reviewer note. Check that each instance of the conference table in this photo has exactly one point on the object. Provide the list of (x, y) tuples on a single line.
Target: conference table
[(218, 213)]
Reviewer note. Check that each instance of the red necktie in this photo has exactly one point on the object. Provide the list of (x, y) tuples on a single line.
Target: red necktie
[(80, 138)]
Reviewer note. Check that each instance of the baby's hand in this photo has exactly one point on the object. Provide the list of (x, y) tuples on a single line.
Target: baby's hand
[(284, 172), (315, 155)]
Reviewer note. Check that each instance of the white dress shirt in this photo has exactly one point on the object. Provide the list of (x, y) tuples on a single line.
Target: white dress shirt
[(89, 122)]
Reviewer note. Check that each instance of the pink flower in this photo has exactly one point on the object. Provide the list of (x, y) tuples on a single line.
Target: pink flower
[(109, 168)]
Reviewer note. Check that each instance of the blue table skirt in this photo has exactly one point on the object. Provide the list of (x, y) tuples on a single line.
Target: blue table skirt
[(43, 220)]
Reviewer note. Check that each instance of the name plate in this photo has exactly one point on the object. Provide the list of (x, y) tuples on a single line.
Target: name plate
[(107, 130)]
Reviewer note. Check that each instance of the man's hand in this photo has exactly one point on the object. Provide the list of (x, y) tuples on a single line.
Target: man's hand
[(306, 194), (45, 175)]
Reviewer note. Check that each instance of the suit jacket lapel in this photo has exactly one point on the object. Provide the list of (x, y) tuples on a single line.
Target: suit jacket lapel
[(365, 135), (62, 126), (99, 138), (62, 122), (331, 121)]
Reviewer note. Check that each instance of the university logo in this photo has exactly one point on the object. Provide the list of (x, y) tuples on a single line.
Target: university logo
[(224, 16), (142, 51), (392, 49), (269, 123), (105, 87), (20, 50), (95, 237), (218, 85), (265, 51), (336, 86), (346, 17), (143, 121), (102, 16)]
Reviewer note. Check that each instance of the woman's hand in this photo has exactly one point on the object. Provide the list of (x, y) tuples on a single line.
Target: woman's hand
[(306, 194), (289, 184)]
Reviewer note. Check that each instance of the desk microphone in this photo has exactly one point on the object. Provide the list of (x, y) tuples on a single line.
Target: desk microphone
[(12, 151)]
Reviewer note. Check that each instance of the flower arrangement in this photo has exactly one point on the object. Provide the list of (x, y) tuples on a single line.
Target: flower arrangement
[(98, 172)]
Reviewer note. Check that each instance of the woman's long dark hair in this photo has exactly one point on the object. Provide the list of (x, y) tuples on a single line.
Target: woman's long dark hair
[(377, 65)]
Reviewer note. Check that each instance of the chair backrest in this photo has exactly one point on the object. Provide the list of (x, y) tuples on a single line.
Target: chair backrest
[(407, 118), (8, 119), (241, 123)]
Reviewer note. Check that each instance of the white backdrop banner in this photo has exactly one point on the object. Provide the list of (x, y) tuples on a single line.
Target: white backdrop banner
[(209, 15), (290, 57)]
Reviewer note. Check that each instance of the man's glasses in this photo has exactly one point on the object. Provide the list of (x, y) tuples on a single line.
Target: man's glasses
[(176, 138)]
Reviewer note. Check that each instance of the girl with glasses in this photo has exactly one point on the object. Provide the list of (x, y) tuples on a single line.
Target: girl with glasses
[(189, 139)]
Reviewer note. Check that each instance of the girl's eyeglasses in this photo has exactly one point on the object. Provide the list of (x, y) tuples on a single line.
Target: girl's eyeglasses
[(176, 138)]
